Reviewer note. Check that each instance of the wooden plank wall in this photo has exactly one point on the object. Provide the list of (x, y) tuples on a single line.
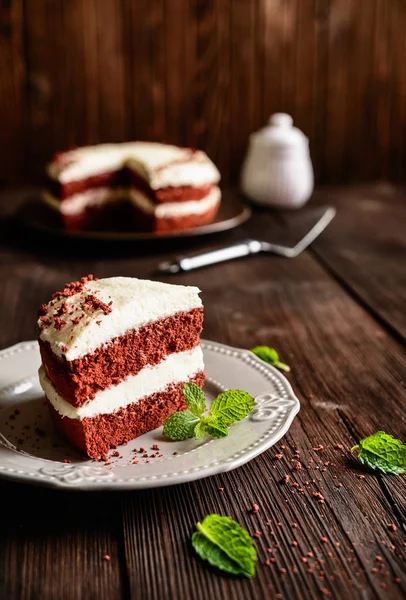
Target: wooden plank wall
[(205, 73)]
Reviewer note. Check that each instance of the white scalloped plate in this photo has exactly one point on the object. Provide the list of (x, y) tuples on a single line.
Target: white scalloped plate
[(32, 452)]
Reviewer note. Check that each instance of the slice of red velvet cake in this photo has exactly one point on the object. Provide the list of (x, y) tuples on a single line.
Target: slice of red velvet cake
[(157, 187), (115, 354)]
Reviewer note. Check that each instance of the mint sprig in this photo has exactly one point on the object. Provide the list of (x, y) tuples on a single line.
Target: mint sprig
[(382, 452), (225, 545), (180, 425), (270, 356), (228, 408)]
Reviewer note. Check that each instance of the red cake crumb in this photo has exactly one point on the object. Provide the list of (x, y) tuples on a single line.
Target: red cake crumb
[(43, 309), (255, 508), (73, 288), (59, 323), (392, 526), (97, 304), (106, 557), (319, 496), (45, 320), (318, 448), (61, 310)]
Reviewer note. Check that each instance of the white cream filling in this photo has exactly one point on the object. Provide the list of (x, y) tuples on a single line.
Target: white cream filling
[(169, 210), (134, 303), (161, 164), (78, 202), (176, 368)]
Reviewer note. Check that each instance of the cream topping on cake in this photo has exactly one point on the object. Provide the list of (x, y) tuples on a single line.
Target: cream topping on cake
[(162, 165), (170, 210), (90, 313), (176, 368)]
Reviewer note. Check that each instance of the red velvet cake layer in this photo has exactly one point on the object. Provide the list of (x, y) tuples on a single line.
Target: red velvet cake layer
[(111, 179), (96, 435), (79, 380), (167, 224)]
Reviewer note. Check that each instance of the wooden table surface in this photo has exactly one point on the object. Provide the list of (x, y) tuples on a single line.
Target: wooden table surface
[(337, 315)]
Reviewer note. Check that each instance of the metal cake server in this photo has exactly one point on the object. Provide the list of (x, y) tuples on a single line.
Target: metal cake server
[(308, 226)]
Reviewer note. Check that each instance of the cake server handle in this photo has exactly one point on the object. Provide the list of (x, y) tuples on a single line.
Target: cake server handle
[(188, 263)]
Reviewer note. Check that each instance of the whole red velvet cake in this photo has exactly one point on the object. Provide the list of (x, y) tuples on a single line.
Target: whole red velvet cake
[(115, 354), (143, 185)]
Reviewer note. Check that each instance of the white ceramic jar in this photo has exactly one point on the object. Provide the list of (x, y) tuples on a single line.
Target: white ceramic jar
[(277, 170)]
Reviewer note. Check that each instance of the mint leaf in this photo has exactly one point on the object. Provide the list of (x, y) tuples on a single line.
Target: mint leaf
[(200, 430), (195, 399), (215, 426), (225, 537), (382, 452), (227, 408), (180, 425), (232, 406), (214, 555), (270, 356)]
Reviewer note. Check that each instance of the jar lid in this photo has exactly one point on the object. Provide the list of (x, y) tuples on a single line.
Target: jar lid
[(280, 133)]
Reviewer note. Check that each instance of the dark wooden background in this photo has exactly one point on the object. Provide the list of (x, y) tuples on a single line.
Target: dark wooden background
[(205, 73)]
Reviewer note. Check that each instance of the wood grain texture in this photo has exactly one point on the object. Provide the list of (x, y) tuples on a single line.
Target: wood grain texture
[(367, 250), (12, 80), (53, 546), (348, 369), (205, 73)]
